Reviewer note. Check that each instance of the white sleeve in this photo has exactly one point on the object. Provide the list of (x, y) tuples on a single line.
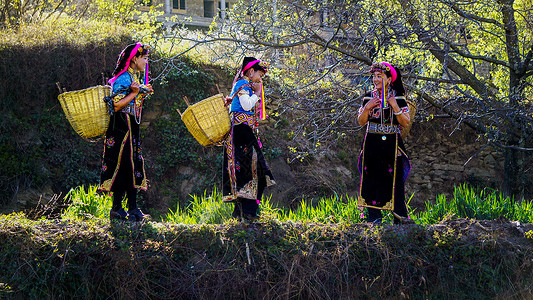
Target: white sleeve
[(248, 102)]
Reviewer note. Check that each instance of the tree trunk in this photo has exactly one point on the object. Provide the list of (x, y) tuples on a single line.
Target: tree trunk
[(513, 185)]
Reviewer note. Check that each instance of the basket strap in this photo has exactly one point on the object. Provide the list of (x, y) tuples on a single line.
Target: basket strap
[(230, 99)]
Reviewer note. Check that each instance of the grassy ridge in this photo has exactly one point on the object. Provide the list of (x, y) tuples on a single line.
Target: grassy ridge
[(96, 259), (314, 252)]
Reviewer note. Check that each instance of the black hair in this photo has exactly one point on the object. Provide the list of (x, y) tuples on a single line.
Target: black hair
[(397, 85), (257, 67)]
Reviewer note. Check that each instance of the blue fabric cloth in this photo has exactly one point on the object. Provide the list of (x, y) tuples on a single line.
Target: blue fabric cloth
[(123, 83), (236, 104)]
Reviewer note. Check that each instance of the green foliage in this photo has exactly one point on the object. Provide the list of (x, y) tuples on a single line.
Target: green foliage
[(98, 16), (207, 209), (317, 244), (177, 148), (120, 11), (127, 12), (175, 140), (328, 210), (192, 80), (177, 144), (271, 153), (87, 204), (62, 31), (480, 204)]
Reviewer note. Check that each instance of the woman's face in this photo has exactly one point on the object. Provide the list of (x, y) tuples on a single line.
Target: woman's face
[(255, 76), (377, 78), (139, 62)]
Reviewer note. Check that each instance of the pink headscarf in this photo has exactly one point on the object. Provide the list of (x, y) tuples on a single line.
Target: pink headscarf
[(392, 71), (248, 66), (132, 54), (385, 66)]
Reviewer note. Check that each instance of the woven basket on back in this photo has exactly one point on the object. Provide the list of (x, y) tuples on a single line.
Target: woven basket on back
[(86, 110), (412, 113), (208, 120)]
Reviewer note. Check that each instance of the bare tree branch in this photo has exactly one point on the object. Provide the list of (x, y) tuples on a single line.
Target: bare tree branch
[(472, 16), (440, 54)]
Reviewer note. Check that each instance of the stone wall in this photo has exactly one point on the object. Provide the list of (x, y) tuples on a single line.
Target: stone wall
[(440, 160)]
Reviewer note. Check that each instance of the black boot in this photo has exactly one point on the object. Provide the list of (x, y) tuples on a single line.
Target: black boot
[(118, 214), (249, 209), (137, 215), (237, 212)]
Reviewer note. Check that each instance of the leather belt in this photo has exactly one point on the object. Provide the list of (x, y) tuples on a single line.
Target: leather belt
[(382, 128), (129, 110)]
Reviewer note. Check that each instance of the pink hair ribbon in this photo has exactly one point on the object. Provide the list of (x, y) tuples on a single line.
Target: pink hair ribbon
[(249, 65), (392, 71)]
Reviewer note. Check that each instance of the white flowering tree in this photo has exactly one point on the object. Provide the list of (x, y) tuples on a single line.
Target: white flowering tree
[(471, 60)]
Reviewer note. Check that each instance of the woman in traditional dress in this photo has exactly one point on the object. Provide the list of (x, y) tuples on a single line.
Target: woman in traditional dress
[(383, 162), (123, 165), (246, 173)]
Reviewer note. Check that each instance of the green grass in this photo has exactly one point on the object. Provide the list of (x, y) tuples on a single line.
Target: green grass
[(333, 209), (87, 204), (207, 209), (467, 202), (480, 204)]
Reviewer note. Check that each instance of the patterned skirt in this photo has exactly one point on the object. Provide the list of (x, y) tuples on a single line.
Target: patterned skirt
[(122, 146), (383, 165), (246, 173)]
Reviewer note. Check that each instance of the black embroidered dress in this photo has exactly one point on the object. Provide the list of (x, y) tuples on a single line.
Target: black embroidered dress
[(245, 173), (383, 162), (123, 163)]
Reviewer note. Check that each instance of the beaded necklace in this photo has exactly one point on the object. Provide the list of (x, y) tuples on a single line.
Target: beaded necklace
[(137, 107), (382, 107)]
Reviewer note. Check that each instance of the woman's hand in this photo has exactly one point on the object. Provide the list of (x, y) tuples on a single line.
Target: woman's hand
[(149, 86), (401, 116), (392, 102), (256, 87), (362, 118), (126, 100), (134, 87), (372, 104)]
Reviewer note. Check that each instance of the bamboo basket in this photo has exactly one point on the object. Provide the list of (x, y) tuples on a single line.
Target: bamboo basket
[(412, 112), (86, 110), (208, 120)]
